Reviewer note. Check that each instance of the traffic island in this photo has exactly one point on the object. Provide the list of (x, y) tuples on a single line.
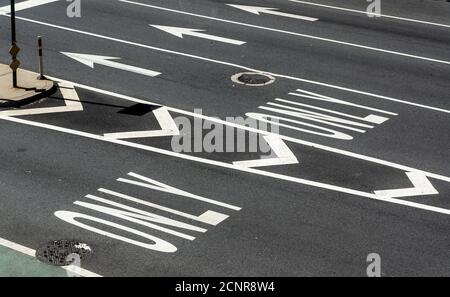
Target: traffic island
[(30, 87)]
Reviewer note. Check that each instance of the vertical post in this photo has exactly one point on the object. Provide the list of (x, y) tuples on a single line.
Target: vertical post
[(41, 58), (13, 37)]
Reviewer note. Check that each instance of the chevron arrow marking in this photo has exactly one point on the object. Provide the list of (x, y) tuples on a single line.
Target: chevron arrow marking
[(284, 155), (422, 186)]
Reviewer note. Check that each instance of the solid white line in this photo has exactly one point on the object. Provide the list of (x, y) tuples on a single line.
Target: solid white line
[(231, 166), (25, 5), (250, 129), (365, 12), (297, 34), (17, 247), (32, 253), (237, 66)]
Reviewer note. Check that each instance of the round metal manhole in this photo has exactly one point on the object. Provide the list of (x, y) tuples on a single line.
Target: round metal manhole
[(253, 79), (60, 252)]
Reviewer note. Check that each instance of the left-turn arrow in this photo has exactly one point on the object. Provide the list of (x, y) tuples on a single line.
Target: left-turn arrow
[(91, 60)]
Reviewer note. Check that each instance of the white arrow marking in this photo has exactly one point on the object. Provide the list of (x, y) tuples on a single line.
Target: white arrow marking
[(422, 186), (284, 155), (91, 60), (179, 32), (165, 120), (268, 10), (70, 97)]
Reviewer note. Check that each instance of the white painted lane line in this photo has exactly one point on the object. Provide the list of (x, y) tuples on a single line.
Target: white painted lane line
[(298, 34), (422, 186), (71, 100), (91, 60), (231, 166), (165, 120), (284, 156), (365, 13), (237, 66), (180, 32), (246, 169), (32, 253), (25, 5), (263, 132), (273, 11)]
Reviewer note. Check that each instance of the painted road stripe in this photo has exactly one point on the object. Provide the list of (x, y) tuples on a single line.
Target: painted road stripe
[(165, 121), (283, 155), (231, 166), (91, 60), (180, 32), (236, 65), (246, 169), (365, 13), (263, 132), (32, 253), (25, 5), (71, 100), (297, 34), (422, 186), (273, 11)]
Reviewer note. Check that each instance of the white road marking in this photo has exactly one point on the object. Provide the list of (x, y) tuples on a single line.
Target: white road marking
[(32, 253), (284, 156), (25, 5), (246, 169), (250, 129), (179, 32), (91, 60), (316, 96), (297, 34), (229, 166), (208, 217), (165, 120), (159, 186), (422, 186), (71, 100), (273, 11), (365, 13), (263, 132), (237, 66)]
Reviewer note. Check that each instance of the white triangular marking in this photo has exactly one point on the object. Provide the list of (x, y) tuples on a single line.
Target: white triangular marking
[(422, 186), (70, 97), (165, 120), (284, 155)]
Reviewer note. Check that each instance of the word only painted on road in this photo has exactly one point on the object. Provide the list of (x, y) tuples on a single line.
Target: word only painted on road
[(142, 217), (328, 122)]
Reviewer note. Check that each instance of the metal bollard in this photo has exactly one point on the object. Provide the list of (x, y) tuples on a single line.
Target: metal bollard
[(41, 59)]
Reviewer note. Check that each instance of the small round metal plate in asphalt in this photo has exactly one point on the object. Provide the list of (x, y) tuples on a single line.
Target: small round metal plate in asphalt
[(57, 252), (254, 79)]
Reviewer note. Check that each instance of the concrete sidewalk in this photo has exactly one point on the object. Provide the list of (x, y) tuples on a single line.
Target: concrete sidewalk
[(30, 87)]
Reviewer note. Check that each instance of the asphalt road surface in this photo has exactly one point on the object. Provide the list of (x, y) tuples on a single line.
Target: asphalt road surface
[(361, 164)]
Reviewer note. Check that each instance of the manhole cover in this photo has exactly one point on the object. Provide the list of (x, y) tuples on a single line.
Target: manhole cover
[(56, 252), (253, 79)]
